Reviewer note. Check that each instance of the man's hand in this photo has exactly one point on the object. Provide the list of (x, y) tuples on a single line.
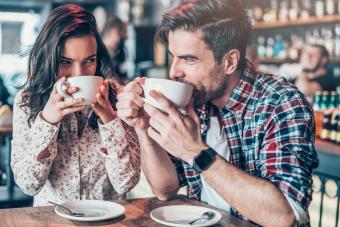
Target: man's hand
[(175, 132), (130, 103)]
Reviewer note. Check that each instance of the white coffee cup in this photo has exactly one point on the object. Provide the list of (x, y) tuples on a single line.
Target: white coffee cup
[(177, 92), (88, 86)]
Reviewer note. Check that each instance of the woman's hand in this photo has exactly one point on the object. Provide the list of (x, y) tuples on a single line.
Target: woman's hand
[(103, 107), (57, 107)]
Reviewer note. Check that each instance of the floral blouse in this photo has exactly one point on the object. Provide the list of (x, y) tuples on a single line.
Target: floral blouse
[(84, 163)]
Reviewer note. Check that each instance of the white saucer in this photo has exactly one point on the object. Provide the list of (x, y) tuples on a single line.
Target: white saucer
[(181, 215), (94, 210)]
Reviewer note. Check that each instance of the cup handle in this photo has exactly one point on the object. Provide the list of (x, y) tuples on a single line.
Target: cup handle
[(61, 87)]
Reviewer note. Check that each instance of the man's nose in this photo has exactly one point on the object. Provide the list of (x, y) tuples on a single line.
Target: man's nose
[(175, 71)]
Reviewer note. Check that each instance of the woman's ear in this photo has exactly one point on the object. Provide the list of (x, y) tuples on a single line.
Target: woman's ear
[(231, 61)]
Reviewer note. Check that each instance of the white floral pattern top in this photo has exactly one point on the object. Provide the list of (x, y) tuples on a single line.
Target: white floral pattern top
[(85, 163)]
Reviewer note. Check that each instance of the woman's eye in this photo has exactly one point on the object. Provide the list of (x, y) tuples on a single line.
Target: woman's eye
[(64, 62), (90, 60)]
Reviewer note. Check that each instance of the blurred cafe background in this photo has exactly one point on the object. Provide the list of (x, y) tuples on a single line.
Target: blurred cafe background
[(289, 36)]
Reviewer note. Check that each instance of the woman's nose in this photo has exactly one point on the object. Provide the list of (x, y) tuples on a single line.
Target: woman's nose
[(77, 70)]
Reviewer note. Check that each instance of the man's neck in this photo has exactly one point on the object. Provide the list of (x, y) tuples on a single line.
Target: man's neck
[(233, 81)]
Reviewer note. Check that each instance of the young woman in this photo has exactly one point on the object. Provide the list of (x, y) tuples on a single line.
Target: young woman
[(62, 150)]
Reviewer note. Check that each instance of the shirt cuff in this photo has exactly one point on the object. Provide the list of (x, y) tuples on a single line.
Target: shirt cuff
[(113, 137), (43, 133), (300, 214)]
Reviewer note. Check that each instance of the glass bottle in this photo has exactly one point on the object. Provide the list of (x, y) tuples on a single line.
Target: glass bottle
[(330, 7), (294, 10), (270, 47), (319, 8), (306, 9), (324, 100), (337, 40), (283, 13), (261, 49), (337, 140), (318, 113)]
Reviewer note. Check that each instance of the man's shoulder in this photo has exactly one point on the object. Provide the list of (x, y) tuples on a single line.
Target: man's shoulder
[(276, 89)]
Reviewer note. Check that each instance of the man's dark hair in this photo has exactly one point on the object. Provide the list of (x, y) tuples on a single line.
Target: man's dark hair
[(113, 22), (224, 25), (323, 50)]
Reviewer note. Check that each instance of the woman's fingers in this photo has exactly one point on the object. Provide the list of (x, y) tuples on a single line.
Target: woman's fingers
[(72, 109), (69, 102)]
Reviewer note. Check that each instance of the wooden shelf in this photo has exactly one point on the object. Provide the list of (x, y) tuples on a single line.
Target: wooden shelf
[(298, 22), (277, 61), (281, 61)]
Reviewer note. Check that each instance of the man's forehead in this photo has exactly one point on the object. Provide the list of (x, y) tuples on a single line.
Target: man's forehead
[(312, 49), (186, 40)]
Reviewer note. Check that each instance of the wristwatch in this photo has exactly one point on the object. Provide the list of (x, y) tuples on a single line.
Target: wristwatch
[(204, 159)]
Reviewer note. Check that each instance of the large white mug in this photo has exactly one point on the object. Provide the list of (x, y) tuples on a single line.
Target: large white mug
[(177, 92), (88, 86)]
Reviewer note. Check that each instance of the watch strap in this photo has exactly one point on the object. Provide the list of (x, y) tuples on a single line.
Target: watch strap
[(209, 154)]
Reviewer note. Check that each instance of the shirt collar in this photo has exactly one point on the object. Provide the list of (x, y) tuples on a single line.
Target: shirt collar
[(239, 97)]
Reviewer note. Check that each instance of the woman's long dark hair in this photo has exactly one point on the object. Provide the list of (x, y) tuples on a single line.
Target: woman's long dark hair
[(43, 65)]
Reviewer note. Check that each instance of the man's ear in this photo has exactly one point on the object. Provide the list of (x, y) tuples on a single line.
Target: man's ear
[(231, 61), (324, 61)]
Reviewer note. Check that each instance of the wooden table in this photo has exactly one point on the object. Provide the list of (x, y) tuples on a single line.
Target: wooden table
[(136, 214)]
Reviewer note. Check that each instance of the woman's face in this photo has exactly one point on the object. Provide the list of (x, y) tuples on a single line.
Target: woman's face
[(79, 56)]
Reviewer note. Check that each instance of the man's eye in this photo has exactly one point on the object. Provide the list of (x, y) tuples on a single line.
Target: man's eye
[(189, 59)]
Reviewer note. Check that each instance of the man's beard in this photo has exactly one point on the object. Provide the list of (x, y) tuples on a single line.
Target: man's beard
[(215, 87), (313, 69)]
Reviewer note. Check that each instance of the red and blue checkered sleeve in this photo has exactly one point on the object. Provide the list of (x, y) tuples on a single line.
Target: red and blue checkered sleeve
[(180, 171), (288, 156)]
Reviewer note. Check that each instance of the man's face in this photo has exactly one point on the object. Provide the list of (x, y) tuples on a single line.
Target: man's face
[(194, 63), (310, 58)]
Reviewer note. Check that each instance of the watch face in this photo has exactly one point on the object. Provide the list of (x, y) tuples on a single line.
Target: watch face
[(203, 160)]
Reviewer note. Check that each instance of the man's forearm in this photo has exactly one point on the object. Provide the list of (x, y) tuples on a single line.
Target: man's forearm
[(255, 198), (158, 168)]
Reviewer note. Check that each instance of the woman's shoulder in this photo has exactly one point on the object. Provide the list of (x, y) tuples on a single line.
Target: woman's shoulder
[(20, 95)]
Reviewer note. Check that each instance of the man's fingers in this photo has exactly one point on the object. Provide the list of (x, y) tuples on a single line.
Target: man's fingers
[(155, 135), (158, 126), (127, 113), (191, 111), (132, 97), (127, 104), (166, 104), (140, 80)]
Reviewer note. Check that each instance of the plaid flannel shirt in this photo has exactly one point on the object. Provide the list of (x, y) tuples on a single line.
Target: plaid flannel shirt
[(270, 130)]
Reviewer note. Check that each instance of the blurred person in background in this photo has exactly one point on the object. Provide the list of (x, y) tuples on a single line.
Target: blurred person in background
[(315, 76), (63, 150), (114, 37), (251, 55), (4, 94)]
